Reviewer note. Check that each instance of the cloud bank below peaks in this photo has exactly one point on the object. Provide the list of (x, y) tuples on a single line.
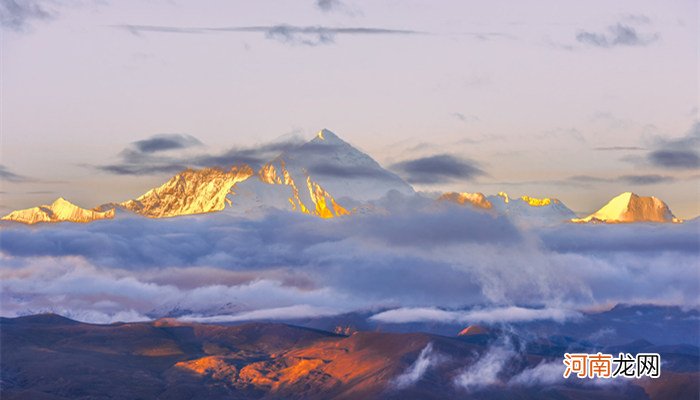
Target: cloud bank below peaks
[(418, 262)]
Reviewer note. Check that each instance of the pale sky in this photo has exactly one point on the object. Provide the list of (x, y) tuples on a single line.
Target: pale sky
[(575, 100)]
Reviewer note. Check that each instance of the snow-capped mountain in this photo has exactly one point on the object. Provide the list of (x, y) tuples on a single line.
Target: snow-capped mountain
[(526, 209), (325, 177), (305, 179), (477, 200), (629, 207), (339, 168), (59, 211), (188, 192), (531, 209)]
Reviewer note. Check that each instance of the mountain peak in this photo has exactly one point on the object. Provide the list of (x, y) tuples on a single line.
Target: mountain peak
[(475, 199), (59, 211), (61, 202), (626, 196), (630, 207), (339, 168), (326, 135)]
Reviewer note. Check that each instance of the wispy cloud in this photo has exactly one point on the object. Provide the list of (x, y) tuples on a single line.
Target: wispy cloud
[(329, 5), (9, 176), (427, 358), (631, 179), (680, 153), (437, 169), (165, 142), (485, 371), (618, 148), (284, 33), (145, 157), (17, 15), (649, 179), (296, 311), (464, 117), (616, 35), (544, 373), (494, 315)]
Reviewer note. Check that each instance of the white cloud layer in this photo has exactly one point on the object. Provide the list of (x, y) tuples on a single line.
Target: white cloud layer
[(491, 315), (448, 264)]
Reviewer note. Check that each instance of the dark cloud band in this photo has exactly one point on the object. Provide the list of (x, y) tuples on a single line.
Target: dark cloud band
[(8, 176), (143, 157), (290, 34), (439, 168), (166, 142), (675, 159)]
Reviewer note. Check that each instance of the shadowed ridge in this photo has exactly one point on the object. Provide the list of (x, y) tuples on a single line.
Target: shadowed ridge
[(45, 319)]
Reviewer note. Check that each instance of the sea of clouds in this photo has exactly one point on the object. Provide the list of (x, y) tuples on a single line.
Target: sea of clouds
[(411, 263)]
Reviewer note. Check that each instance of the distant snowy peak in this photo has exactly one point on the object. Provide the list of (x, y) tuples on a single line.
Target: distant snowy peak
[(531, 209), (629, 207), (531, 201), (61, 210), (475, 199)]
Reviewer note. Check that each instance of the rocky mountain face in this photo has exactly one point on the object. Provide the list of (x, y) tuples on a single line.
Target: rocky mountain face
[(189, 192)]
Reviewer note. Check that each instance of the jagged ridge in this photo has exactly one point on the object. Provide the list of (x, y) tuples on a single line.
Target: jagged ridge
[(189, 192)]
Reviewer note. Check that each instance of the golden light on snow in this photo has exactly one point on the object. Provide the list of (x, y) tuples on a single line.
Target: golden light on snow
[(535, 202), (189, 192), (628, 207), (475, 199), (59, 211)]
